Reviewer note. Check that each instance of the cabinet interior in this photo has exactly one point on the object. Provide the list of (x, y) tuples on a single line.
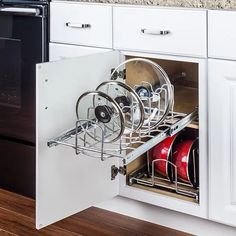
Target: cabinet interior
[(184, 78), (138, 167)]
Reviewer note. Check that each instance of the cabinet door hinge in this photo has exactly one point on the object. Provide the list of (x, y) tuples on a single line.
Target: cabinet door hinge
[(115, 171)]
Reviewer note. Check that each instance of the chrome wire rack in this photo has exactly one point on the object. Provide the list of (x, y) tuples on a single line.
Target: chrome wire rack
[(124, 122), (83, 139), (147, 176), (116, 120)]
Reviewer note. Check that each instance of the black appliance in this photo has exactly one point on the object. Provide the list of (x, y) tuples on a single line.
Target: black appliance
[(23, 43)]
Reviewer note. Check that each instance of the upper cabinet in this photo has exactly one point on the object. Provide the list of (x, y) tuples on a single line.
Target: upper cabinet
[(176, 32), (81, 24), (222, 34)]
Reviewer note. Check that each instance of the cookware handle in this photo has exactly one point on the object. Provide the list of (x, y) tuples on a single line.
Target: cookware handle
[(21, 11), (155, 32), (78, 25)]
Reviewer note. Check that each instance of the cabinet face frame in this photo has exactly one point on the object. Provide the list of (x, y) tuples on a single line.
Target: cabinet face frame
[(165, 201)]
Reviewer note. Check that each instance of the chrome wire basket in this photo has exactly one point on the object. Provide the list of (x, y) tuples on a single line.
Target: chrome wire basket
[(117, 120)]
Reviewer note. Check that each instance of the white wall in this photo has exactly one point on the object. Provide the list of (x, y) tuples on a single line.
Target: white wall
[(167, 218)]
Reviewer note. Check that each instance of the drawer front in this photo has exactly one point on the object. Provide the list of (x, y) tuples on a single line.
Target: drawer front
[(59, 51), (180, 32), (79, 24), (222, 34)]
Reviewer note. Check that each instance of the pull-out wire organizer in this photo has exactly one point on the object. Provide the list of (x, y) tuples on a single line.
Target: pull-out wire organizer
[(147, 176), (82, 138), (117, 120)]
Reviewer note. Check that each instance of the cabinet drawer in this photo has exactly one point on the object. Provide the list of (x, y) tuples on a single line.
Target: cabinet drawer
[(58, 51), (222, 34), (74, 23), (165, 31)]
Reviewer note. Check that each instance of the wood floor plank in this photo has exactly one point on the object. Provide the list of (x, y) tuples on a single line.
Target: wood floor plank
[(5, 233), (92, 226), (25, 226), (133, 225), (17, 203)]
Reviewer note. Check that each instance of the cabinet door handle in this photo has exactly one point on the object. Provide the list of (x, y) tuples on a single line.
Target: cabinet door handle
[(78, 25), (155, 32)]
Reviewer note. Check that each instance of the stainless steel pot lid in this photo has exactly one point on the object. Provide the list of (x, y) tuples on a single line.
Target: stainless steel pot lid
[(157, 98), (128, 101), (104, 111)]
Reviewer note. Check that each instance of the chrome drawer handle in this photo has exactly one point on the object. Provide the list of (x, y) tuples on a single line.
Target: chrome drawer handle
[(155, 32), (21, 10), (79, 26)]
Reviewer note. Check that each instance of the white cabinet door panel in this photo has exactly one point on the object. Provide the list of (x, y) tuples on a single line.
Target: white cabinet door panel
[(67, 183), (222, 141), (221, 34), (58, 51)]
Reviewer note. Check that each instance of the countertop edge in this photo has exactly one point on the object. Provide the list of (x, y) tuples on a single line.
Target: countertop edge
[(224, 5)]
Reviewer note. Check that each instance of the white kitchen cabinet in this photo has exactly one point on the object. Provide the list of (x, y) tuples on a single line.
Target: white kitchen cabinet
[(222, 141), (59, 51), (68, 183)]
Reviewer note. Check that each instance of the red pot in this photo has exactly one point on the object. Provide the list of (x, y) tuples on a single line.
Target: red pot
[(183, 158), (162, 152)]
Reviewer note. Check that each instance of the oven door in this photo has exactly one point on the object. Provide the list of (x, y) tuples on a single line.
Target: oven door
[(22, 45)]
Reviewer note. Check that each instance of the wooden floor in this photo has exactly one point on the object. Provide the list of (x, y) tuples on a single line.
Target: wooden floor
[(17, 217)]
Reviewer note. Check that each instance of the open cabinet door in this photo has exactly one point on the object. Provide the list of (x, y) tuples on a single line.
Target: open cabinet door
[(68, 183)]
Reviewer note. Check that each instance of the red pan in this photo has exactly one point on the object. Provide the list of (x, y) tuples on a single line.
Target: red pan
[(185, 157), (161, 155)]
